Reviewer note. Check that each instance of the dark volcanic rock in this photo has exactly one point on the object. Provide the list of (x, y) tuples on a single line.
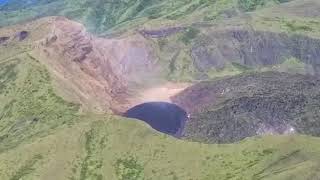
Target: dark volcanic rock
[(159, 33), (164, 117), (232, 109), (22, 35), (253, 48), (4, 39)]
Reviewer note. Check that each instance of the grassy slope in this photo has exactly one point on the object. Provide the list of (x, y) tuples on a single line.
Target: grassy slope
[(90, 149), (29, 106)]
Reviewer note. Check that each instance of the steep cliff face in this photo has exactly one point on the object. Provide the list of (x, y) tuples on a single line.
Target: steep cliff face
[(70, 53), (98, 71), (253, 49), (200, 53), (232, 109)]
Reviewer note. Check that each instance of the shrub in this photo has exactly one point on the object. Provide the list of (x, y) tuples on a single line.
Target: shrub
[(189, 35)]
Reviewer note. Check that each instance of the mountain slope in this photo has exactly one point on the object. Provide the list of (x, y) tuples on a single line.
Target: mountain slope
[(229, 43), (101, 15), (59, 85), (43, 134), (98, 73), (90, 149)]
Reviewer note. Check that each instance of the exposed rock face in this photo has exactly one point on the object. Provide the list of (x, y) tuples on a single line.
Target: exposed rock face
[(254, 48), (4, 39), (231, 109), (95, 71), (22, 35), (160, 33)]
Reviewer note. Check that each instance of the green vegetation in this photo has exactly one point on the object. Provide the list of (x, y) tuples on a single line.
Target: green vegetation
[(8, 74), (294, 27), (42, 135), (134, 151), (178, 62), (27, 168), (129, 169), (269, 21), (91, 165), (189, 35), (39, 141), (290, 65), (28, 104), (181, 67), (230, 69), (251, 5), (103, 16)]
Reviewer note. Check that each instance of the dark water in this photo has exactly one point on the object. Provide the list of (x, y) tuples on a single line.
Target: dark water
[(164, 117)]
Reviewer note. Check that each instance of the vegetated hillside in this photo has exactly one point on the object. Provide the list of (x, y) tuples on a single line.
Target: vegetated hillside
[(43, 137), (90, 149), (274, 38), (206, 53), (225, 37), (29, 107), (102, 15), (231, 109)]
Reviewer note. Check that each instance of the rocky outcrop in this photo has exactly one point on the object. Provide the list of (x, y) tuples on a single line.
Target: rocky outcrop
[(22, 35), (4, 39), (232, 109), (160, 33)]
